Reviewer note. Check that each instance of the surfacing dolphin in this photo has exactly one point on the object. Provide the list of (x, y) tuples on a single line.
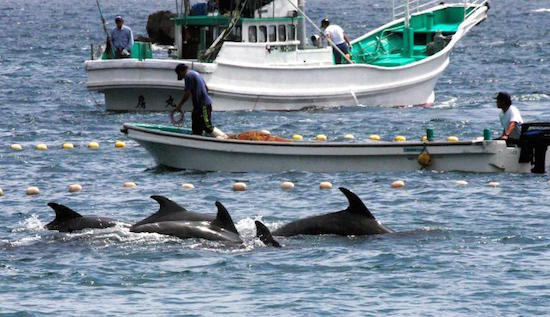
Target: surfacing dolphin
[(171, 211), (355, 220), (221, 228), (68, 220)]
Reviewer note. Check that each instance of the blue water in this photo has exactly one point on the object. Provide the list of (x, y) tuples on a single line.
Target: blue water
[(467, 250)]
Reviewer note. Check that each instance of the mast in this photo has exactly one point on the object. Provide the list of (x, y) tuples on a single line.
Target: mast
[(408, 34), (301, 29)]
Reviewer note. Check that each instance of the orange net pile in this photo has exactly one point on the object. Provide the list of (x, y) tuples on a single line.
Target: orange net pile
[(259, 136)]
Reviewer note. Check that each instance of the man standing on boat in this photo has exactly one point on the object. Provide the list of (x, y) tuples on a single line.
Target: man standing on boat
[(510, 118), (196, 88), (122, 39), (336, 34)]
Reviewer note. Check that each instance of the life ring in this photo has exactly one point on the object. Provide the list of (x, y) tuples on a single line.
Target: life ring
[(177, 120)]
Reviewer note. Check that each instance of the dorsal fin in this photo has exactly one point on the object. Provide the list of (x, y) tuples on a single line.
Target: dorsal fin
[(263, 233), (356, 205), (223, 219), (63, 212), (167, 206)]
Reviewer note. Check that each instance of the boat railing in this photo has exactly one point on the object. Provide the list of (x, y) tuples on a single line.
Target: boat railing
[(401, 8)]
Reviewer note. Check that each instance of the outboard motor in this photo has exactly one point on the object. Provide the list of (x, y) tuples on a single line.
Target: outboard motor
[(534, 141)]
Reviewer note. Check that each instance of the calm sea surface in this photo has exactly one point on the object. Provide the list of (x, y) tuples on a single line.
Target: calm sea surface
[(467, 250)]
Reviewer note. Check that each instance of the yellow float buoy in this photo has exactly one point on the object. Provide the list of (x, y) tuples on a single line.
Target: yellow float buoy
[(120, 144), (400, 138), (129, 185), (321, 137), (349, 136), (325, 185), (461, 182), (67, 146), (398, 184), (239, 187), (424, 158), (32, 190), (16, 147), (75, 188), (1, 192), (93, 145), (287, 185), (452, 139), (297, 137), (374, 137), (41, 147), (493, 184), (187, 186)]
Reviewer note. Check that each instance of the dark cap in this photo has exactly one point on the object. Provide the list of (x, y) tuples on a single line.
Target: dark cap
[(181, 68), (119, 18), (505, 97), (324, 22)]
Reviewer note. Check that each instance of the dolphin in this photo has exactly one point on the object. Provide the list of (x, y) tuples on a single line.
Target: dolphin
[(354, 220), (68, 220), (171, 211), (221, 228)]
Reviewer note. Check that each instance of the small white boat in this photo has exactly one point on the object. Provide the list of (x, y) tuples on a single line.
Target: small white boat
[(176, 148), (266, 63)]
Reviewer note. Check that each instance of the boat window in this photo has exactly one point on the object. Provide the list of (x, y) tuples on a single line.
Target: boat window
[(291, 32), (262, 33), (252, 34), (282, 33), (237, 34), (272, 33)]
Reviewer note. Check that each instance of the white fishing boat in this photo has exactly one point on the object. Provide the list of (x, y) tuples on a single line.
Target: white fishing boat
[(258, 58), (177, 148)]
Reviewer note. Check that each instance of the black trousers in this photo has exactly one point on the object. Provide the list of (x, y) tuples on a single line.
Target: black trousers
[(337, 56), (201, 119)]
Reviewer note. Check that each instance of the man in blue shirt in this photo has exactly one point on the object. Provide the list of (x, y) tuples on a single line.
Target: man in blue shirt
[(202, 104), (122, 39)]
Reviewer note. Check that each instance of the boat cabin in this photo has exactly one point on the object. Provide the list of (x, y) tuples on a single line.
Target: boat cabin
[(200, 34)]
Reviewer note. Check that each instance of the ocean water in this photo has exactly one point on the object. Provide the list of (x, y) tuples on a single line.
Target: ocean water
[(469, 250)]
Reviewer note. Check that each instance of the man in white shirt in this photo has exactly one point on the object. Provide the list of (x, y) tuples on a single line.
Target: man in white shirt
[(510, 118), (336, 34)]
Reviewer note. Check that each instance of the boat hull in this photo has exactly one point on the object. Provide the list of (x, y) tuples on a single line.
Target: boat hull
[(183, 151)]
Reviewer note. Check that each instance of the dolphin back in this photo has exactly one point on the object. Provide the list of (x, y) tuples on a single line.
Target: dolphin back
[(356, 205), (356, 219), (68, 220), (263, 233), (223, 219), (63, 213), (172, 211)]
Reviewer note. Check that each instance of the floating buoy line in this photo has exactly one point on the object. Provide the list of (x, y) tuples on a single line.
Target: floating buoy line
[(424, 160), (66, 146), (242, 186)]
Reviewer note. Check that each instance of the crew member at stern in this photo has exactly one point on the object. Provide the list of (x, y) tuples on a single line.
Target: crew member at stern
[(510, 118)]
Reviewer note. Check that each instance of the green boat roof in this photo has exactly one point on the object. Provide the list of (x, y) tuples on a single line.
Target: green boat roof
[(203, 20)]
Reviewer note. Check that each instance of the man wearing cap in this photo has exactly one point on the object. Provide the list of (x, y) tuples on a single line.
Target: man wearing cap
[(510, 118), (122, 39), (336, 34), (202, 104)]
